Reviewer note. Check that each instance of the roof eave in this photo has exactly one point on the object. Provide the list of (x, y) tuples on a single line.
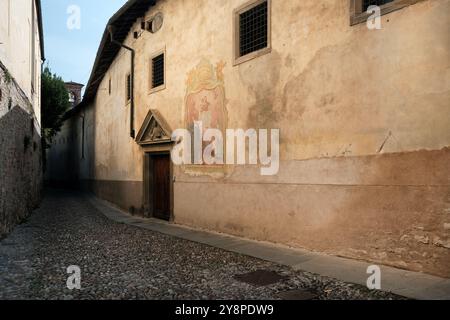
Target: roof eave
[(97, 75)]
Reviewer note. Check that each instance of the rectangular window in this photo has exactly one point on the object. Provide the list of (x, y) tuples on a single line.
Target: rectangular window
[(358, 8), (158, 71), (252, 30), (109, 86), (128, 88)]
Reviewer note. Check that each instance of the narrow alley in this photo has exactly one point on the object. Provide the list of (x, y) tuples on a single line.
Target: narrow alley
[(118, 261)]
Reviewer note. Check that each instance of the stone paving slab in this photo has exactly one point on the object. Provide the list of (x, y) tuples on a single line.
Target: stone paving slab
[(413, 285)]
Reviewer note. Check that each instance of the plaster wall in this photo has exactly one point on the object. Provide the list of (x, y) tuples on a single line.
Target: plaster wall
[(374, 92)]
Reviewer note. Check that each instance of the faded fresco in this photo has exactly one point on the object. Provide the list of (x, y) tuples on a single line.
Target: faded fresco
[(205, 97)]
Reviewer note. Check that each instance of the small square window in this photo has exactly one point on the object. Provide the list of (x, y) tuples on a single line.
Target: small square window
[(252, 30)]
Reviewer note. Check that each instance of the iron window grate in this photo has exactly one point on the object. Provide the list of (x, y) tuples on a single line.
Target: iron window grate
[(158, 71), (368, 3), (253, 29)]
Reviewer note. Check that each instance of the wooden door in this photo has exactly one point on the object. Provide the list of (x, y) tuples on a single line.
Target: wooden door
[(161, 187)]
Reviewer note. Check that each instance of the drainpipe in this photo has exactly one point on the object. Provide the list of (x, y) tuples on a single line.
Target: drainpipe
[(111, 30)]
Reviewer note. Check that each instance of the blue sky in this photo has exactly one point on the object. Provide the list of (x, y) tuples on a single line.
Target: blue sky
[(71, 52)]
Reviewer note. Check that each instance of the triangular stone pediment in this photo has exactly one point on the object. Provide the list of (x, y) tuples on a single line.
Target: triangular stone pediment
[(154, 130)]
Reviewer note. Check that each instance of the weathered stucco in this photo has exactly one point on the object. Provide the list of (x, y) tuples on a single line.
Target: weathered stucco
[(364, 128)]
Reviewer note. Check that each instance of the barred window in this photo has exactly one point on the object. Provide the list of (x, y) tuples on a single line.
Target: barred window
[(157, 71), (252, 30)]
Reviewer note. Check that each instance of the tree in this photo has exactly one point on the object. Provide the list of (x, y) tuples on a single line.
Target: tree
[(54, 103)]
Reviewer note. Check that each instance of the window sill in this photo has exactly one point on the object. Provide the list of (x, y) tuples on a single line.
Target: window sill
[(157, 89), (252, 56)]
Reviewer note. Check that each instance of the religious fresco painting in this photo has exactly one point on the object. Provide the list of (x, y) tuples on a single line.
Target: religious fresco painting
[(205, 97)]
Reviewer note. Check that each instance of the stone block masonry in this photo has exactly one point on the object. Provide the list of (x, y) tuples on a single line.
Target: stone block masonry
[(20, 155)]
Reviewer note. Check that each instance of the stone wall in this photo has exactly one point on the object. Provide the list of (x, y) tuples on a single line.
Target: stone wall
[(20, 155)]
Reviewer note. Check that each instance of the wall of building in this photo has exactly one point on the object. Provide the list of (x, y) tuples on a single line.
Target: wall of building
[(20, 112), (364, 128), (20, 156), (71, 156), (18, 52)]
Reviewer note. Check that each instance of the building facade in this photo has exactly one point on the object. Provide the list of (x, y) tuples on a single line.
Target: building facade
[(21, 56), (362, 113), (74, 90)]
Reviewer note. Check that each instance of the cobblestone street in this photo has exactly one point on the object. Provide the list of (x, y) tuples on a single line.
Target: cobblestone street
[(118, 261)]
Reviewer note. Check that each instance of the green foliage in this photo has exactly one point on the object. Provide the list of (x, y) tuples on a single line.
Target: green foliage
[(55, 103)]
